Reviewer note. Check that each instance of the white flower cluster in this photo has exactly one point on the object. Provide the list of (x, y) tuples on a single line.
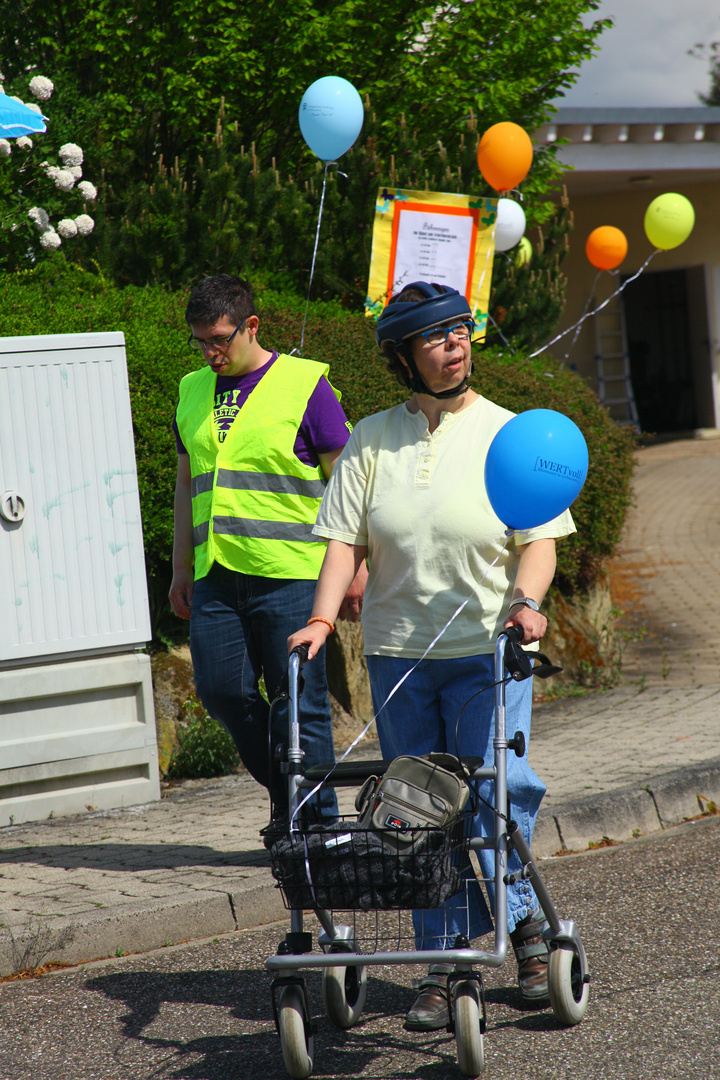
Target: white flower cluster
[(41, 88), (85, 224), (87, 190), (70, 154), (39, 217), (51, 238), (64, 179), (67, 228)]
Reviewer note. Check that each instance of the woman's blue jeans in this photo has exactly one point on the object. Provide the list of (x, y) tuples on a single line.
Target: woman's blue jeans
[(421, 718), (238, 632)]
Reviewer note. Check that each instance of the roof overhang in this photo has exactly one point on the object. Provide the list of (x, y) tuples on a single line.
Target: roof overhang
[(615, 150)]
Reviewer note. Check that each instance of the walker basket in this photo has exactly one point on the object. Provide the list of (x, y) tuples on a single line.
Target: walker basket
[(346, 866)]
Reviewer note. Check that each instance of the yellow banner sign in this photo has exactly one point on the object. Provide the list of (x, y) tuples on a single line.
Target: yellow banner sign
[(432, 236)]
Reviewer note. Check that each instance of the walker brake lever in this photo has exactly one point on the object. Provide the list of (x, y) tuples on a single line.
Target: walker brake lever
[(519, 664), (545, 669)]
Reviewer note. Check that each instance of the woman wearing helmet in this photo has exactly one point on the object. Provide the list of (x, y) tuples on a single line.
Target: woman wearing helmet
[(408, 493)]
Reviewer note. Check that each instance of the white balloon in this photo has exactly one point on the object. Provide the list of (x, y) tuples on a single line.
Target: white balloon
[(510, 224)]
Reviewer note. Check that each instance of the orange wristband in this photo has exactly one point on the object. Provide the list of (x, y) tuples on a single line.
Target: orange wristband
[(319, 618)]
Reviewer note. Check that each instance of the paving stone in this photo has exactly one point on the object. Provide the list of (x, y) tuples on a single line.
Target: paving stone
[(631, 759)]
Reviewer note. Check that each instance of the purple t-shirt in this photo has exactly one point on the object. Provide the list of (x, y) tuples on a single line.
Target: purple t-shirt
[(323, 428)]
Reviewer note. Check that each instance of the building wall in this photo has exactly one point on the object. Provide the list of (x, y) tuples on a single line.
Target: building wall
[(701, 251)]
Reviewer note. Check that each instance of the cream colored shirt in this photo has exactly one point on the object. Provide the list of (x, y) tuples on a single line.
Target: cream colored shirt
[(418, 502)]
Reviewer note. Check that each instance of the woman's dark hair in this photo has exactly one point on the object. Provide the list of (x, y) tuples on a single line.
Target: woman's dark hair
[(219, 296)]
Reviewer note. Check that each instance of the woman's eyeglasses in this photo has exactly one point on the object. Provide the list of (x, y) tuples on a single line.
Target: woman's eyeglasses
[(438, 335)]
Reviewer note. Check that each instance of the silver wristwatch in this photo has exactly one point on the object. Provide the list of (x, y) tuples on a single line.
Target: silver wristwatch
[(528, 601)]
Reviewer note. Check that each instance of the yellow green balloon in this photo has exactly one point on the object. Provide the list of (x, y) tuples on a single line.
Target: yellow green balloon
[(669, 220), (523, 252)]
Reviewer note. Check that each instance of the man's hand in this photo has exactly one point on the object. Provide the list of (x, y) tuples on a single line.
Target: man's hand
[(181, 591), (351, 606)]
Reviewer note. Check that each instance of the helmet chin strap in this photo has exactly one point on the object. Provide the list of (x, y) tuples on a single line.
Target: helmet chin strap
[(418, 386)]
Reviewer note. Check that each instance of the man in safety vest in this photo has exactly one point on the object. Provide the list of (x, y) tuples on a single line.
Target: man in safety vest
[(257, 435)]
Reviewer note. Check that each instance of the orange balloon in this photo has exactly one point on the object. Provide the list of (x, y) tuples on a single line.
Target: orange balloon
[(504, 155), (606, 247)]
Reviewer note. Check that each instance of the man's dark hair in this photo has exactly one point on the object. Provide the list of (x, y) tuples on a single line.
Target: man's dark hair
[(218, 296)]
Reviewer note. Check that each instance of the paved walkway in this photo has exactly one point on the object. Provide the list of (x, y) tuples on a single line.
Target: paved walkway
[(631, 760), (670, 566)]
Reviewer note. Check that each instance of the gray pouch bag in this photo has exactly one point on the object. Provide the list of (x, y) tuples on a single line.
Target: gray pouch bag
[(415, 793)]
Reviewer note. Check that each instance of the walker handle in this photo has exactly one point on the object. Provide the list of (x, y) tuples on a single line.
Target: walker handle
[(301, 651), (513, 633)]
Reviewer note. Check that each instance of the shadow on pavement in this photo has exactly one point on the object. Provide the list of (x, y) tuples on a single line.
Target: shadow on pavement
[(131, 857), (246, 1044)]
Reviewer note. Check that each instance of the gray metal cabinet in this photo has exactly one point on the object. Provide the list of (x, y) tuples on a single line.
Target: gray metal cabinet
[(75, 693)]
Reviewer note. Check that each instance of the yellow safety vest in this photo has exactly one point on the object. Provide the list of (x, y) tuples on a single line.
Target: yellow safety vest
[(254, 502)]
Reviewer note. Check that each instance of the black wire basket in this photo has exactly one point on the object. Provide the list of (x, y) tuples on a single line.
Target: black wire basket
[(345, 866)]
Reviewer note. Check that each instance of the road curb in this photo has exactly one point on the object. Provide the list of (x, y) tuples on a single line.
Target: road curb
[(636, 809), (139, 926)]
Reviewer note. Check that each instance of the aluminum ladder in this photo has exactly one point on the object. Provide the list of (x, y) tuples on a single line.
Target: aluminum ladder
[(615, 390)]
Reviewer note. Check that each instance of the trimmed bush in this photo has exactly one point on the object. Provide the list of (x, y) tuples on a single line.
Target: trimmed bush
[(347, 344), (599, 512), (57, 298)]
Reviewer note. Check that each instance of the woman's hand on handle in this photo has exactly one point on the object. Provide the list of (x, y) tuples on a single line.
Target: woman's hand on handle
[(536, 569), (313, 637), (340, 567), (532, 623)]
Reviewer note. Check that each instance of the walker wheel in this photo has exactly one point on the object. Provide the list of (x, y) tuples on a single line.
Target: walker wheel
[(568, 993), (296, 1037), (344, 993), (468, 1036)]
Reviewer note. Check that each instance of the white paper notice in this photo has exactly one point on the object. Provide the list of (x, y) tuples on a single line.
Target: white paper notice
[(432, 247)]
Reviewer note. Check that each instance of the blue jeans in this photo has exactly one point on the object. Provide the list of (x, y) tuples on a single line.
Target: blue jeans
[(420, 718), (238, 633)]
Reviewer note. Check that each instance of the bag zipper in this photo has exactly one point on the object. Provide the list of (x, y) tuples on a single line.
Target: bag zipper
[(408, 807)]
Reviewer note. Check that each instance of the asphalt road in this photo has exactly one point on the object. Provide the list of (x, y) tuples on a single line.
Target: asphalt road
[(648, 913)]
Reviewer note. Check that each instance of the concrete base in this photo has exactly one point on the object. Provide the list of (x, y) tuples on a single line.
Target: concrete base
[(76, 736)]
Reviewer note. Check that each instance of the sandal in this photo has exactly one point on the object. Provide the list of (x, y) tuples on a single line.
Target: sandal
[(531, 953)]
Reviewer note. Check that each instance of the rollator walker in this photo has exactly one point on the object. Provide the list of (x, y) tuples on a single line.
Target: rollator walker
[(339, 956)]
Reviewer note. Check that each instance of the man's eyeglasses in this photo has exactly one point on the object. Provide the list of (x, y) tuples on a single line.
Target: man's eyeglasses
[(217, 343), (438, 335)]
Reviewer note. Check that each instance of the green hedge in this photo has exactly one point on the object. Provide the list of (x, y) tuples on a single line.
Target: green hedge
[(346, 343), (57, 298)]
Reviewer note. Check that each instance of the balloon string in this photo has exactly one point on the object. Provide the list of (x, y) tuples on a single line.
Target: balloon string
[(500, 334), (293, 820), (317, 239), (597, 309), (583, 316)]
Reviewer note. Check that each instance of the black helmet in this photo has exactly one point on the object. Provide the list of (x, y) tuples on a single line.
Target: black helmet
[(399, 321)]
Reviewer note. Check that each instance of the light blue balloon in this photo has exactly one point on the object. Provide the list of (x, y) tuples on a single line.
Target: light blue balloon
[(535, 468), (331, 117)]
